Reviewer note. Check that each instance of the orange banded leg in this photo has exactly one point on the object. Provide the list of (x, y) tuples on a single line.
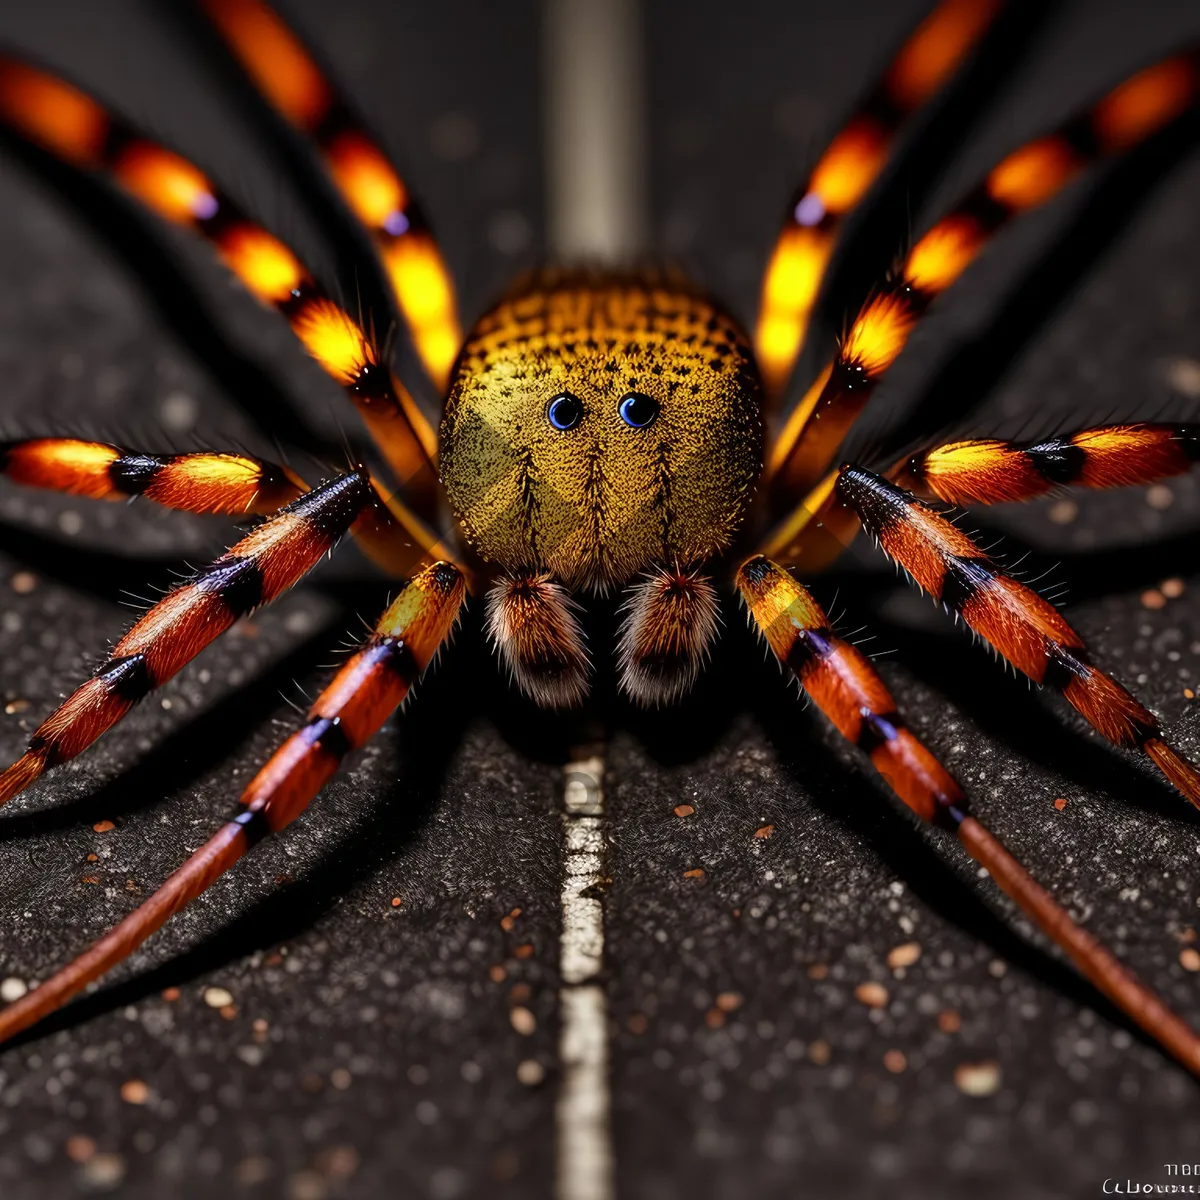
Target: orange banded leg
[(992, 471), (74, 127), (262, 565), (809, 440), (845, 171), (285, 73), (670, 623), (388, 532), (532, 622), (846, 688), (346, 715), (1022, 627), (199, 483)]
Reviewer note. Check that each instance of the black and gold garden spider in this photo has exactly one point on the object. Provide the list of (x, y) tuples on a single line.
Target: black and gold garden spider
[(603, 430)]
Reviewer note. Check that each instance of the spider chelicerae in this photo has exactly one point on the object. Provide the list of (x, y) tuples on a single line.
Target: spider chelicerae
[(604, 430)]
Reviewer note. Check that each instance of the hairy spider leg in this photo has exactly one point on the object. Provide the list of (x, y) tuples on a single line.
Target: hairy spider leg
[(253, 572), (75, 128), (533, 624), (846, 688), (346, 715), (843, 174), (1022, 627), (287, 76), (387, 531), (991, 471), (808, 443), (199, 483)]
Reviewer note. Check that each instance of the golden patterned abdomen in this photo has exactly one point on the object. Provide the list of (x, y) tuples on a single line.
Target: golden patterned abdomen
[(597, 501)]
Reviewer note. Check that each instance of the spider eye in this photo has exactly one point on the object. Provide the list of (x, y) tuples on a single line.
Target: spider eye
[(564, 412), (638, 410)]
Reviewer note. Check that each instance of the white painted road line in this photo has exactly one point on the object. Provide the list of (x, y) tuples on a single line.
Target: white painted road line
[(595, 116), (585, 1158)]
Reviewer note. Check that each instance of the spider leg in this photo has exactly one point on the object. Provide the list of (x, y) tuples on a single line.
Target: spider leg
[(670, 623), (285, 73), (198, 483), (1022, 627), (809, 441), (991, 471), (257, 569), (346, 715), (532, 624), (844, 173), (75, 128), (388, 532), (844, 686)]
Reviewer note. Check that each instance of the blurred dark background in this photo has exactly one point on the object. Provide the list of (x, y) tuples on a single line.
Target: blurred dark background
[(369, 1049)]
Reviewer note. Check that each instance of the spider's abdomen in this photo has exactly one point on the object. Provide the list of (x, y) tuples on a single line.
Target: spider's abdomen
[(599, 423)]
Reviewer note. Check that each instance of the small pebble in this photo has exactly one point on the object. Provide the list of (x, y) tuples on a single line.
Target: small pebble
[(337, 1162), (904, 955), (684, 810), (16, 706), (135, 1091), (820, 1053), (306, 1185), (217, 997), (523, 1021), (765, 831), (1172, 588), (340, 1078), (170, 995), (694, 873), (1060, 803), (977, 1079), (80, 1148), (1153, 598), (729, 1001), (1160, 496), (949, 1021), (395, 901), (523, 951), (12, 989), (818, 971), (873, 995), (1189, 959), (895, 1061), (103, 827), (507, 923), (1188, 694), (497, 973), (104, 1170), (530, 1072), (23, 582), (1063, 512), (1183, 374)]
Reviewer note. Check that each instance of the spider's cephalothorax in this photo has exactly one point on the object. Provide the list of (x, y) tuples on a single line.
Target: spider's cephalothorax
[(600, 426)]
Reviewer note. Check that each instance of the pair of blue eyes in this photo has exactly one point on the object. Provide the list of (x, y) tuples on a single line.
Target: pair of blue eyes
[(566, 411)]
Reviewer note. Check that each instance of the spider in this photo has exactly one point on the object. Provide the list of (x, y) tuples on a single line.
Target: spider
[(604, 430)]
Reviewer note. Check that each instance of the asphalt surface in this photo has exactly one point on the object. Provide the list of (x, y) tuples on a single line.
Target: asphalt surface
[(369, 1046)]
